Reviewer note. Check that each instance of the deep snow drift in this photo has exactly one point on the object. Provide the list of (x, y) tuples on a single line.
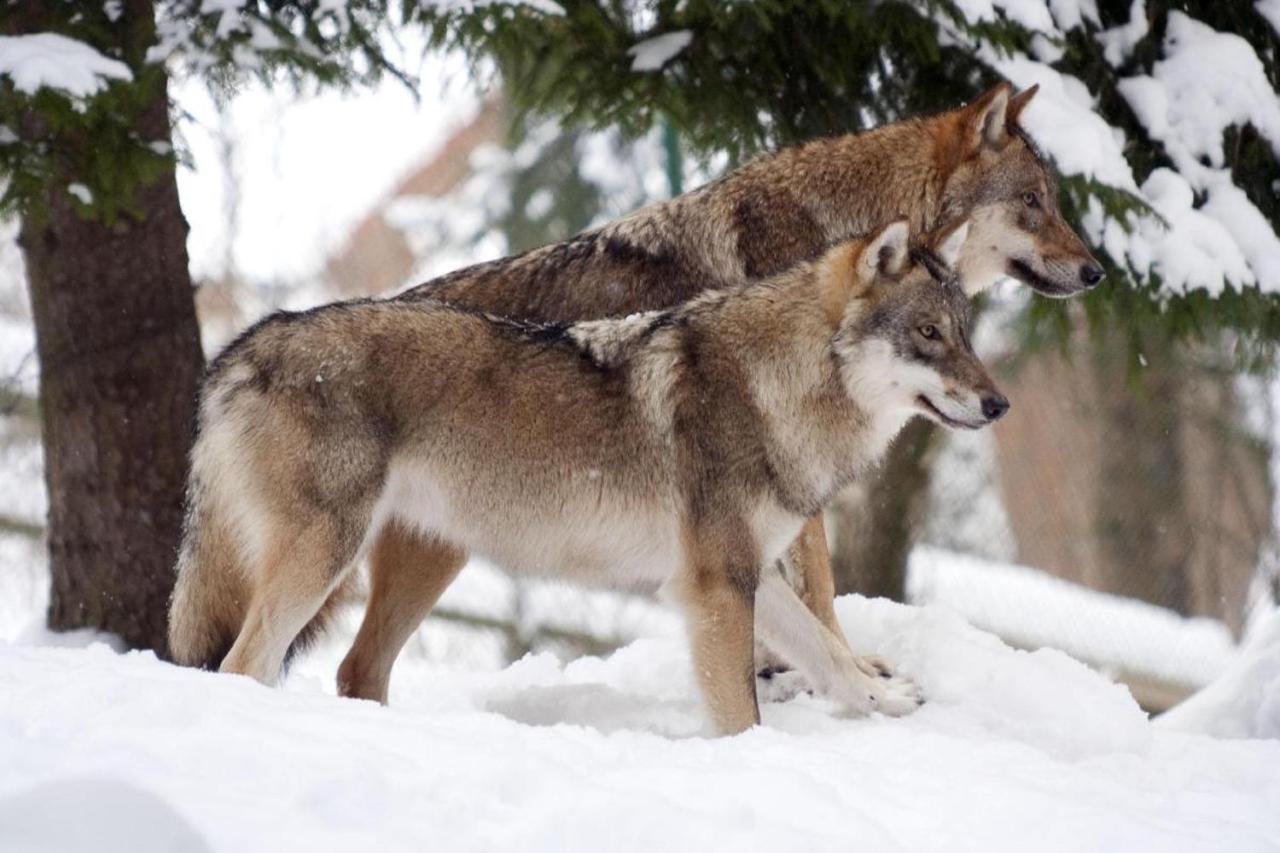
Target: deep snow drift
[(1015, 751)]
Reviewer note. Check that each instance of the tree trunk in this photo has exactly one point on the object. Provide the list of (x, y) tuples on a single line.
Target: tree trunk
[(120, 359), (873, 522), (1140, 509)]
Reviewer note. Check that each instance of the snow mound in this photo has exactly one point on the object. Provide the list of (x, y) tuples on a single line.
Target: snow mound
[(978, 687), (1245, 701), (93, 814), (1033, 609), (1014, 751)]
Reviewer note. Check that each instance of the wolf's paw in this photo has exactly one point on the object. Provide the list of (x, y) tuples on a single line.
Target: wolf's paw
[(892, 695), (780, 685), (876, 666), (898, 697)]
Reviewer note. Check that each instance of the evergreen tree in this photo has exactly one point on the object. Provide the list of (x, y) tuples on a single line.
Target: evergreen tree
[(751, 77), (88, 163)]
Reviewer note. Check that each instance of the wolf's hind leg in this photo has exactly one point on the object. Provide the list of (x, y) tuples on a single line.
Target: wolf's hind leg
[(303, 567), (807, 566), (789, 627), (408, 571)]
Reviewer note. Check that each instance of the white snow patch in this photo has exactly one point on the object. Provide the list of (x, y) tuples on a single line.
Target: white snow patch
[(99, 813), (1208, 81), (1228, 205), (1070, 14), (1032, 14), (52, 61), (653, 53), (81, 192), (1118, 42), (24, 585), (1245, 701), (546, 7), (1194, 251), (1269, 9)]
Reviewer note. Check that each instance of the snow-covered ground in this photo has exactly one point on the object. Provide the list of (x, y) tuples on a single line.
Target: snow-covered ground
[(1033, 609), (1014, 751)]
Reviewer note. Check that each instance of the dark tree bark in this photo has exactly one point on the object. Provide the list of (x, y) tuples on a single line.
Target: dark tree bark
[(873, 523), (120, 359)]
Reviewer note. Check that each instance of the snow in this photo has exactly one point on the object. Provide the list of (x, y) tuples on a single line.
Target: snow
[(1032, 14), (546, 7), (653, 53), (1189, 250), (1207, 82), (1245, 701), (1254, 237), (109, 815), (1119, 42), (81, 192), (1014, 751), (1033, 609), (52, 61), (1269, 9), (1069, 14)]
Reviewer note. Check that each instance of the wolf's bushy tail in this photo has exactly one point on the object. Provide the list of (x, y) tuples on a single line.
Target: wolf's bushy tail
[(212, 591), (215, 585)]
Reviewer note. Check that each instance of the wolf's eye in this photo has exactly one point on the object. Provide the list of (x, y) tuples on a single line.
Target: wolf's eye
[(1031, 199), (929, 332)]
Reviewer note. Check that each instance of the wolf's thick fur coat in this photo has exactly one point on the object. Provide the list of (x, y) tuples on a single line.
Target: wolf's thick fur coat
[(973, 164), (682, 448)]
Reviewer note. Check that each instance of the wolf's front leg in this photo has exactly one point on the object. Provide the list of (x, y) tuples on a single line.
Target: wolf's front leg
[(717, 593), (791, 629)]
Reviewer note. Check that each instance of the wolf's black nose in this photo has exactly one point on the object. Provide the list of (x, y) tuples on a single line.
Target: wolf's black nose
[(994, 407), (1091, 274)]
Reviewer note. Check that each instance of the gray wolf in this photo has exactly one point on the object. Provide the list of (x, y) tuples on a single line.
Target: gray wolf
[(974, 164), (680, 448)]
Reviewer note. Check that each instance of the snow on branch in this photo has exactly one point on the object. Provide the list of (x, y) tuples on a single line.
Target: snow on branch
[(52, 61), (653, 53), (546, 7)]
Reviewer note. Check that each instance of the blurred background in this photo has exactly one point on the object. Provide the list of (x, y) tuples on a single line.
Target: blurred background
[(1125, 512)]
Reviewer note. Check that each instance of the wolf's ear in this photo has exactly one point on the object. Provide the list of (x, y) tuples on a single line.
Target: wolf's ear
[(985, 120), (848, 270), (949, 246), (885, 252), (1018, 103)]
